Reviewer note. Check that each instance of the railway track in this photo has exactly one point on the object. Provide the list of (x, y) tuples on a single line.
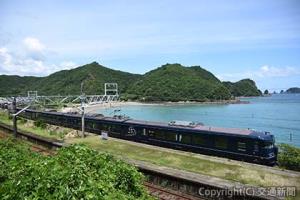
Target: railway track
[(33, 147), (166, 194), (42, 150), (48, 148), (34, 139)]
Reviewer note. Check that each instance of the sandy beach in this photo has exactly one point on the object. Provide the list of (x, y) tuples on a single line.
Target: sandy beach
[(107, 105), (91, 108)]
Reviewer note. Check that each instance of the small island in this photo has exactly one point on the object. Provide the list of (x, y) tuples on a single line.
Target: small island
[(293, 90)]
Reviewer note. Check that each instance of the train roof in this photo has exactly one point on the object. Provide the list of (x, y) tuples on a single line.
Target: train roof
[(194, 127), (208, 129), (197, 127)]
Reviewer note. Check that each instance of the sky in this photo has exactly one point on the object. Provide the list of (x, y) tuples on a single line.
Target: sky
[(257, 39)]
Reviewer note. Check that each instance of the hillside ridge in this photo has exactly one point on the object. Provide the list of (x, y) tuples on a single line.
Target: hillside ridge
[(169, 82)]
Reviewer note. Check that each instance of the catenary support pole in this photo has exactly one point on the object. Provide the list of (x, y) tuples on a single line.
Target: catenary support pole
[(82, 111), (14, 110), (15, 126), (82, 121)]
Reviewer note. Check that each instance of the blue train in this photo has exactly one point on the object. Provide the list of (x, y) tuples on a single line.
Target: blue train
[(246, 145)]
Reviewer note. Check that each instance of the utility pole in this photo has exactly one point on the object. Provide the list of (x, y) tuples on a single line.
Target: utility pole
[(82, 110), (15, 114), (14, 110)]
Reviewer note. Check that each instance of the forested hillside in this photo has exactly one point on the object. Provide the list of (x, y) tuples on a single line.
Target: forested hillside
[(174, 82), (170, 82), (12, 85), (93, 75), (245, 87), (68, 81)]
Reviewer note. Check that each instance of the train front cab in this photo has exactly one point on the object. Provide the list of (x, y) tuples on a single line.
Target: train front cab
[(269, 153)]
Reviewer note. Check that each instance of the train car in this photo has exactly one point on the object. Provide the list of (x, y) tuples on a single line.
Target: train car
[(246, 145)]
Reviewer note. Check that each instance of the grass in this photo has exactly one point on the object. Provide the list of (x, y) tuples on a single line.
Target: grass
[(24, 125), (42, 132), (4, 118), (235, 171)]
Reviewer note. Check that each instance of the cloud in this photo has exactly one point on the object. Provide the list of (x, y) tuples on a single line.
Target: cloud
[(5, 57), (264, 71), (34, 48), (31, 61), (269, 71), (33, 44)]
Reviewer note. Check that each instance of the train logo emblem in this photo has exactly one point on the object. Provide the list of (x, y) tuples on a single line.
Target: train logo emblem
[(131, 131)]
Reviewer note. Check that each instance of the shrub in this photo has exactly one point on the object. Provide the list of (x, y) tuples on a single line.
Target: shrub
[(289, 157), (129, 97), (75, 172)]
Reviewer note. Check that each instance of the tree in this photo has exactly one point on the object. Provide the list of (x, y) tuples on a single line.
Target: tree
[(245, 87), (266, 92)]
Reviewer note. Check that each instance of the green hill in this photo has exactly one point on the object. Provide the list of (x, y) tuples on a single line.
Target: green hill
[(68, 81), (174, 82), (12, 85), (170, 82), (93, 75), (245, 87)]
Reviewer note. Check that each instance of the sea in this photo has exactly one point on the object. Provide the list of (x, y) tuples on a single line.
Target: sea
[(278, 114)]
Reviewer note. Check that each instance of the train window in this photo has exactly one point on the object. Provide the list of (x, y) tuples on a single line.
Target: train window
[(221, 143), (98, 126), (268, 146), (184, 138), (88, 124), (241, 146), (116, 129), (150, 133), (76, 121), (198, 139), (159, 135), (170, 136), (144, 131), (256, 147), (105, 127)]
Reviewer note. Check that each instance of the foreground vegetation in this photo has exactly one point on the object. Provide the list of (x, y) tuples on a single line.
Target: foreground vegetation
[(221, 168), (289, 157), (170, 82), (75, 172)]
